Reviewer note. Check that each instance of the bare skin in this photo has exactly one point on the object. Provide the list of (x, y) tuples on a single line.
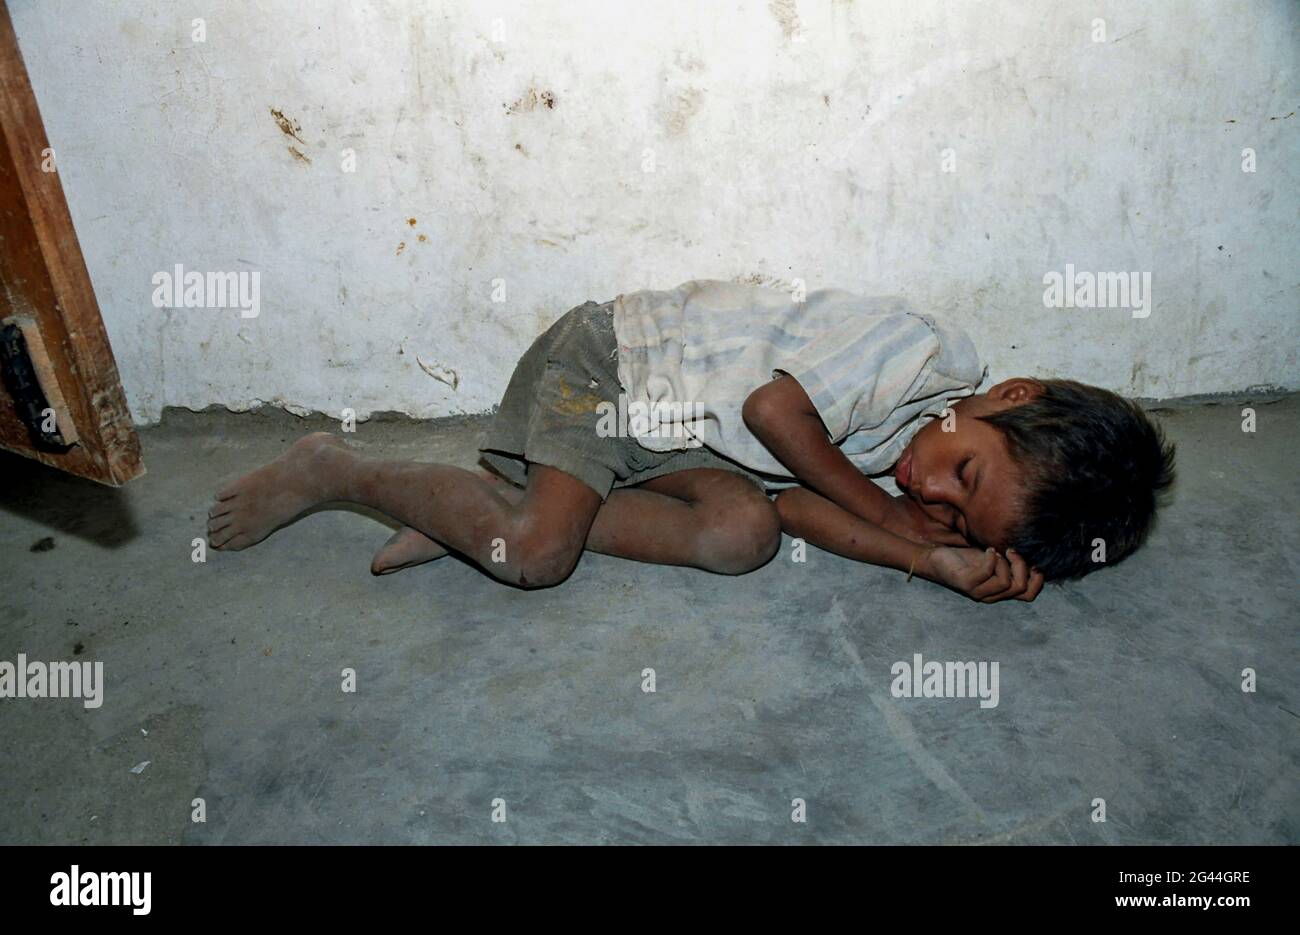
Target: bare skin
[(960, 488), (715, 520), (695, 497), (409, 547)]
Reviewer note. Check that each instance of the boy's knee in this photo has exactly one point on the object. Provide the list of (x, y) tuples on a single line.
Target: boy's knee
[(540, 558), (739, 534)]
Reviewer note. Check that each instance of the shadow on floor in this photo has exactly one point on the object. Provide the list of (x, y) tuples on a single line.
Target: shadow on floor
[(66, 504)]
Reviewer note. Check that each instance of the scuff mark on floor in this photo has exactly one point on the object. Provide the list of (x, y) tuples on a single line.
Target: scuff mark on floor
[(899, 725)]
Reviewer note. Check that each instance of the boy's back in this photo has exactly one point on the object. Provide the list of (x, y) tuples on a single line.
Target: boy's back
[(871, 365)]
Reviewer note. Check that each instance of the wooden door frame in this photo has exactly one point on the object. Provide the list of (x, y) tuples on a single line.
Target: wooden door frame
[(43, 277)]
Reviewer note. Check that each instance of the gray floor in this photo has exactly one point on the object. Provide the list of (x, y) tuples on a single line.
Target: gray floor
[(225, 676)]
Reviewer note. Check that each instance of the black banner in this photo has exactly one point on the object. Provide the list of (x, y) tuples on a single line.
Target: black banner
[(920, 885)]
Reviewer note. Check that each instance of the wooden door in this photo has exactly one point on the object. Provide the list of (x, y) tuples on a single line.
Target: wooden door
[(61, 401)]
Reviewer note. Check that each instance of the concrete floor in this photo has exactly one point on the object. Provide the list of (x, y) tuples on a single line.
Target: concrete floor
[(225, 676)]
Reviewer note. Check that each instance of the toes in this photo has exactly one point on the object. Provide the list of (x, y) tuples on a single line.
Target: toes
[(386, 566), (225, 540), (222, 532), (404, 549), (218, 520), (404, 538), (218, 538), (220, 508), (383, 561), (215, 526)]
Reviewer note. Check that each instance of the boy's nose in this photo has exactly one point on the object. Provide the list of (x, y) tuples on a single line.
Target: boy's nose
[(942, 498), (933, 491)]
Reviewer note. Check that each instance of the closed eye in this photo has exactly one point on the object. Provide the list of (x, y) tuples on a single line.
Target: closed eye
[(960, 525)]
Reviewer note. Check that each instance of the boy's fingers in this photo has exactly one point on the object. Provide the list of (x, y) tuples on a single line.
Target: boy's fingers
[(1036, 581), (1015, 570), (998, 579), (1019, 573), (981, 576)]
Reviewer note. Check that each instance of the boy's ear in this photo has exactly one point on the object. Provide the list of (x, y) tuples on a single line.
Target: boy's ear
[(1017, 391)]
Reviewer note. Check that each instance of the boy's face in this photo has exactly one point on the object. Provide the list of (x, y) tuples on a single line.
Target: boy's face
[(966, 479)]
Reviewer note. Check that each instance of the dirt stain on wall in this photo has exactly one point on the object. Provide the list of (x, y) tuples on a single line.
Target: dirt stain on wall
[(531, 100), (679, 108), (292, 129), (288, 126), (787, 15)]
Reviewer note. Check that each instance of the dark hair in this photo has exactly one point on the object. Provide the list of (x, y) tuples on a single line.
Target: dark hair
[(1094, 462)]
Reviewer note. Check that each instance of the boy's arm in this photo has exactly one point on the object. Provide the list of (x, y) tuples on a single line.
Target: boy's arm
[(810, 516), (983, 576), (783, 418), (856, 518)]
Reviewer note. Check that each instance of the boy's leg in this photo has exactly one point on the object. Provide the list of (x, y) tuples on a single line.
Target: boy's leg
[(704, 518), (408, 547), (532, 543)]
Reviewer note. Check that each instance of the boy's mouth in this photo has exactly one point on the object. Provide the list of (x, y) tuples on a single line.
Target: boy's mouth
[(903, 470)]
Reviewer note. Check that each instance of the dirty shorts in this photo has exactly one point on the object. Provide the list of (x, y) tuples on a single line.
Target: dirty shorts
[(549, 413)]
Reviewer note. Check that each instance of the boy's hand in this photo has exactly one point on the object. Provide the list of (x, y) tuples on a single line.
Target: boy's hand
[(983, 576)]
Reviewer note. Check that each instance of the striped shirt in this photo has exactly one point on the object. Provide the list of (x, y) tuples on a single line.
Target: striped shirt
[(872, 367)]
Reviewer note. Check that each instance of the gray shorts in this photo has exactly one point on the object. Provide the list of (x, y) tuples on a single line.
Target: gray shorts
[(549, 413)]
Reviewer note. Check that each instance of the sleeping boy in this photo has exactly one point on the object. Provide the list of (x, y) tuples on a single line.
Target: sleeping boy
[(653, 426)]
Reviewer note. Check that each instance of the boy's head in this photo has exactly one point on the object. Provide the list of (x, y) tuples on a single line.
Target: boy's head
[(1046, 467)]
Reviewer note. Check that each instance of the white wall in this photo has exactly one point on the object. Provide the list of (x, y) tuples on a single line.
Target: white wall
[(791, 139)]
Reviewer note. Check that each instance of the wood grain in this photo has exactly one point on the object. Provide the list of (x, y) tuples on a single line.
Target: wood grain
[(43, 276)]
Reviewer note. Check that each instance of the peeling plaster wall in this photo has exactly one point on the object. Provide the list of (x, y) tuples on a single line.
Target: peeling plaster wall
[(505, 144)]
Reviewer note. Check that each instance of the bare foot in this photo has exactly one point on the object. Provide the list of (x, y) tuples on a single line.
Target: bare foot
[(405, 548), (257, 504)]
